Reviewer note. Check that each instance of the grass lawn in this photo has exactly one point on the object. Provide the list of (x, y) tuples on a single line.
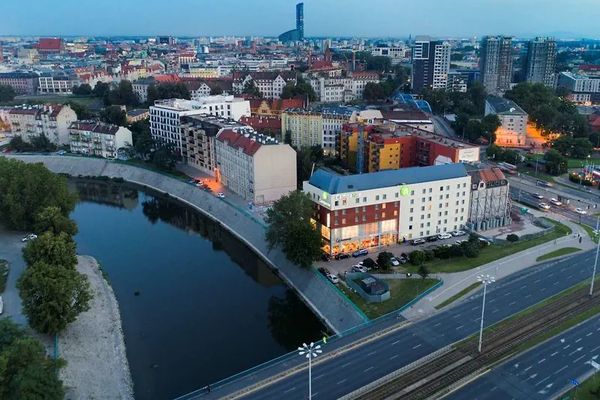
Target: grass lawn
[(402, 291), (458, 295), (583, 392), (590, 232), (571, 162), (492, 252), (556, 253), (83, 100), (3, 274)]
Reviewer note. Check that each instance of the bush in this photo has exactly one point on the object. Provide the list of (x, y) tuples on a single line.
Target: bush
[(512, 238), (369, 263), (417, 257), (471, 249), (383, 259)]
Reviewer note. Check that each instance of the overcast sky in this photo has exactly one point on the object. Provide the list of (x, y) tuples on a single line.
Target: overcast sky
[(397, 18)]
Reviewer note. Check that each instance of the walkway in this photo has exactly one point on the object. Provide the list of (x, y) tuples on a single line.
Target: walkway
[(10, 250), (454, 283), (334, 309)]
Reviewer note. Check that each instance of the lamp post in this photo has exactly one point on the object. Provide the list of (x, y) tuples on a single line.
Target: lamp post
[(310, 351), (485, 280), (596, 261)]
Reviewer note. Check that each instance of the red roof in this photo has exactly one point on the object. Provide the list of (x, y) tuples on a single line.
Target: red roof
[(50, 44), (238, 141), (589, 67), (167, 78), (262, 122)]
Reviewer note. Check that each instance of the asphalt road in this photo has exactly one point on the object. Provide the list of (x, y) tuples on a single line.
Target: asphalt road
[(591, 197), (543, 372), (345, 373)]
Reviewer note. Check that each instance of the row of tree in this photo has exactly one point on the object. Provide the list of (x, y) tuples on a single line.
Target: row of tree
[(7, 93)]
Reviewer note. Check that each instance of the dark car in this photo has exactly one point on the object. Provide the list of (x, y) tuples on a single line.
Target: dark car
[(362, 252), (324, 271), (341, 256), (325, 257), (417, 242), (432, 238)]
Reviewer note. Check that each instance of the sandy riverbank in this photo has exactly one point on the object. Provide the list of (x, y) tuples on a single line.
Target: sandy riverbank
[(94, 347)]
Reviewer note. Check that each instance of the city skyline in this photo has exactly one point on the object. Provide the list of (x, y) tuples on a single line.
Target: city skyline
[(323, 18)]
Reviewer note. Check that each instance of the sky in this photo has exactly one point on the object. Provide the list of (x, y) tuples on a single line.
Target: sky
[(358, 18)]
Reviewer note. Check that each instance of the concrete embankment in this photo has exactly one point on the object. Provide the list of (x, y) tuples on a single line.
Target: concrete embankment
[(327, 303)]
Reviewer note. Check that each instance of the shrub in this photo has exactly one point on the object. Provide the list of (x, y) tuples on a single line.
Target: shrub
[(512, 238)]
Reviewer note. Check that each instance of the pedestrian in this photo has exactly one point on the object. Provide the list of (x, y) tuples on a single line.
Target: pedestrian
[(208, 388)]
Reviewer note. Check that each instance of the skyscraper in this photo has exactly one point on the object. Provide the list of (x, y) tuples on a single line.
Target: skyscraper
[(496, 63), (430, 64), (541, 61), (295, 35)]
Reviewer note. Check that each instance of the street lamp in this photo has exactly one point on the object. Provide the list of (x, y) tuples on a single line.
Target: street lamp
[(309, 351), (485, 280), (595, 262)]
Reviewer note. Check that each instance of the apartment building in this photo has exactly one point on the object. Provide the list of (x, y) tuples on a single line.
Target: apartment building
[(396, 54), (430, 64), (255, 166), (21, 82), (490, 198), (541, 61), (338, 89), (165, 116), (382, 208), (496, 63), (513, 119), (98, 139), (49, 84), (49, 120), (270, 84), (583, 89), (203, 88)]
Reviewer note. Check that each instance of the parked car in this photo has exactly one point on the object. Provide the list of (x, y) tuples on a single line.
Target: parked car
[(403, 260), (61, 152), (544, 183), (325, 257), (443, 236), (324, 271), (458, 233), (361, 252), (544, 206), (221, 195), (485, 241), (394, 261), (405, 256), (580, 211), (555, 202), (29, 237), (432, 238), (341, 256), (333, 279), (417, 242), (537, 196), (358, 268)]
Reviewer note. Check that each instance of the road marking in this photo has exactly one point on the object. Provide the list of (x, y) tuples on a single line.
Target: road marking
[(566, 347), (578, 358), (507, 294), (527, 369), (438, 324), (578, 340), (396, 342), (542, 289), (553, 354), (491, 301), (394, 356), (542, 381), (569, 277), (537, 281), (589, 334), (371, 353), (495, 310), (289, 390), (550, 275), (595, 348), (417, 346), (556, 283), (514, 302), (318, 377), (342, 381), (523, 287), (368, 369), (458, 327), (345, 365), (561, 370), (528, 296), (474, 308), (541, 361)]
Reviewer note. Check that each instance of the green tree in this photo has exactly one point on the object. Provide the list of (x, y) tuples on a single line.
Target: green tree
[(555, 164), (82, 90), (82, 111), (101, 89), (489, 124), (51, 219), (59, 250), (114, 115), (142, 139), (26, 189), (289, 226), (122, 95), (53, 296), (164, 156), (417, 257), (373, 91), (168, 90), (384, 260), (301, 88), (423, 271), (7, 93), (251, 89)]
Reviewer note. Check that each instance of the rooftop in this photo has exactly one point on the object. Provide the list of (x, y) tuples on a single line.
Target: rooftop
[(246, 139), (95, 126), (186, 105), (504, 106), (334, 183)]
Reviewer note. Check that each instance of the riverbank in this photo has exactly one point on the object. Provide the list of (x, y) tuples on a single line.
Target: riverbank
[(93, 345)]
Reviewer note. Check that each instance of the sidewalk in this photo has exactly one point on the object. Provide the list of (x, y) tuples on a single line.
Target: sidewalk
[(456, 282)]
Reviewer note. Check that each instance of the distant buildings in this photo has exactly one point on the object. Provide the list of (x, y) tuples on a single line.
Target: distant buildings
[(21, 82), (541, 61), (583, 89), (50, 120), (513, 119), (269, 84), (496, 63), (50, 46), (255, 166), (98, 139), (430, 64), (341, 89), (137, 114), (295, 35), (396, 54), (55, 84)]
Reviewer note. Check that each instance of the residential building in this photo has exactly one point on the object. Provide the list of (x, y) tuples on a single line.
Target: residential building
[(490, 198), (200, 88), (21, 82), (49, 120), (541, 61), (583, 89), (430, 64), (140, 88), (414, 118), (457, 82), (269, 84), (382, 208), (55, 84), (496, 63), (339, 89), (266, 124), (255, 166), (396, 54), (98, 139), (165, 116), (266, 107), (137, 114), (513, 121), (389, 145)]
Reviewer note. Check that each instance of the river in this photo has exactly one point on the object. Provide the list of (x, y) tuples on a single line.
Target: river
[(196, 304)]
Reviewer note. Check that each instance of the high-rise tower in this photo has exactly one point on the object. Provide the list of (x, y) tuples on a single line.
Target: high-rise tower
[(300, 20), (496, 63)]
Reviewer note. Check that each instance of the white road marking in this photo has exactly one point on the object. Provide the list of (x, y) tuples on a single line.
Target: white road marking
[(371, 353), (560, 370), (542, 381), (417, 346), (510, 304), (394, 356), (342, 381), (578, 359), (537, 281), (345, 365), (527, 369), (289, 390), (541, 361), (553, 354), (368, 369), (578, 340), (396, 342), (458, 327)]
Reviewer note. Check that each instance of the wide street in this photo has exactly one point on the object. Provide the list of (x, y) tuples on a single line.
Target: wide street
[(340, 375), (543, 372)]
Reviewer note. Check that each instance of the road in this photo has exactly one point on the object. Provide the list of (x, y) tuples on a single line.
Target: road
[(580, 196), (338, 376), (543, 372), (10, 250)]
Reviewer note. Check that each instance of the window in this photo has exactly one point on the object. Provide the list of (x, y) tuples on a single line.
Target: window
[(357, 200), (424, 191), (411, 210), (364, 199), (422, 216), (383, 206), (441, 196), (343, 220), (430, 190), (385, 196), (382, 215), (376, 197), (441, 188), (422, 208), (429, 198), (423, 200), (412, 192), (447, 196), (337, 203), (410, 227), (377, 206), (447, 187), (440, 205)]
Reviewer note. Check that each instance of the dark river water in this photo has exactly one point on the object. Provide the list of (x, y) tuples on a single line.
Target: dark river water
[(196, 304)]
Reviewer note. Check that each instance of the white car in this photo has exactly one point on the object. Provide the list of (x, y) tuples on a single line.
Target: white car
[(555, 202), (395, 262), (580, 211), (221, 195), (333, 279), (537, 196), (359, 268), (458, 233), (443, 236), (29, 237), (544, 206)]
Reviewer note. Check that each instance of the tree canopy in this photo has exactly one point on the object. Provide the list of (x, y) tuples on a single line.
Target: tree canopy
[(7, 93), (114, 115), (555, 163), (51, 219), (26, 189), (573, 147), (122, 95), (82, 90), (168, 90), (251, 89), (58, 250), (289, 226), (301, 88)]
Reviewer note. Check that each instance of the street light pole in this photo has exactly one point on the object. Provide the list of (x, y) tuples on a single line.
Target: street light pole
[(485, 280), (310, 351), (595, 265)]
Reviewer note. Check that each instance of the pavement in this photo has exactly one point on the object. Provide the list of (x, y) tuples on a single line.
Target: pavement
[(544, 372), (334, 309), (10, 250), (455, 282)]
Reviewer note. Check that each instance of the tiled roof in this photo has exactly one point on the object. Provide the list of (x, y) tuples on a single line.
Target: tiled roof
[(262, 122), (237, 140), (49, 44), (94, 126)]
